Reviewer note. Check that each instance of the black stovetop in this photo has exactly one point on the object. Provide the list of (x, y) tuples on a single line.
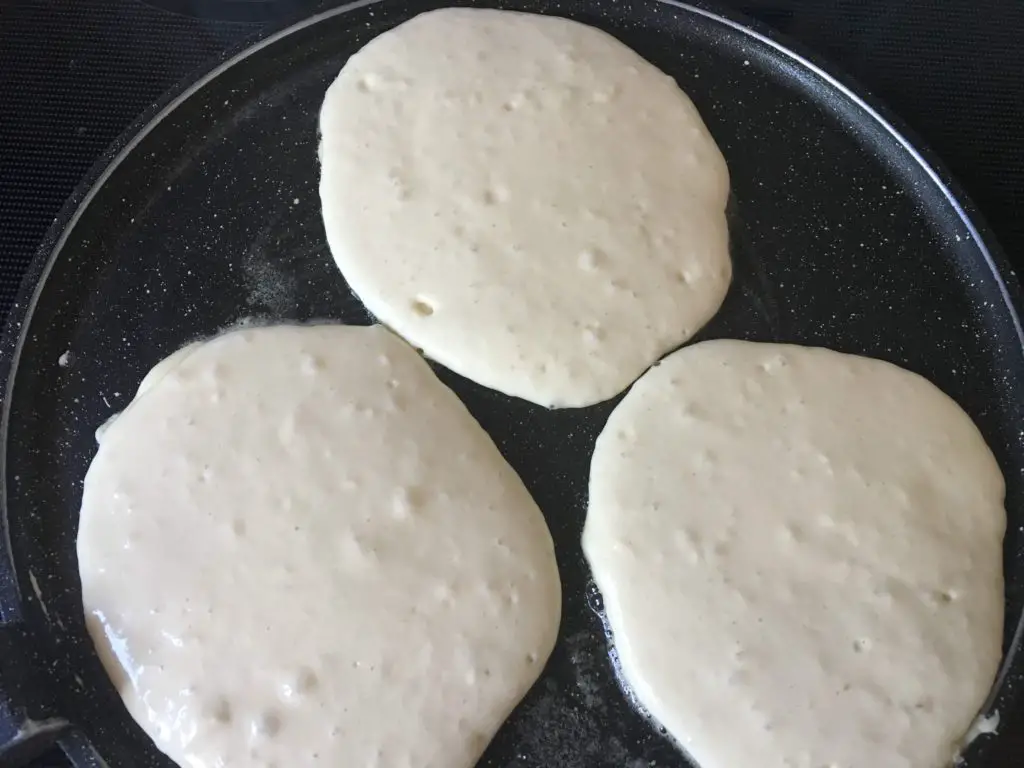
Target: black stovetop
[(75, 73)]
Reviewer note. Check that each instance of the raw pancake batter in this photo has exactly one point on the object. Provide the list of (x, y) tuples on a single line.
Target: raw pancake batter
[(298, 548), (524, 198), (800, 554)]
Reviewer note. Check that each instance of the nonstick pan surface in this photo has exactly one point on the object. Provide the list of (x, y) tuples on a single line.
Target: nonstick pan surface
[(207, 214)]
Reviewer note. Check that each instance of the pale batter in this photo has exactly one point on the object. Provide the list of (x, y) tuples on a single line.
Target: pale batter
[(298, 548), (800, 554), (524, 198)]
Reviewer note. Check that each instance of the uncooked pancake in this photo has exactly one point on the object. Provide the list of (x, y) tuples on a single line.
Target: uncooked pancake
[(524, 198), (800, 554), (298, 548)]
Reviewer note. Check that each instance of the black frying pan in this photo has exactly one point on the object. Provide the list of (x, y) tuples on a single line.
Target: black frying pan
[(843, 235)]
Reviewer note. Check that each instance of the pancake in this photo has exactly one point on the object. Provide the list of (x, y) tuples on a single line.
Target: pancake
[(298, 548), (800, 554), (524, 198)]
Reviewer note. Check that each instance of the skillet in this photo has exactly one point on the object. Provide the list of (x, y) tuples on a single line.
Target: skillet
[(206, 213)]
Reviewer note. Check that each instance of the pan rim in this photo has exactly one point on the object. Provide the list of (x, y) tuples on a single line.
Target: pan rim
[(16, 326)]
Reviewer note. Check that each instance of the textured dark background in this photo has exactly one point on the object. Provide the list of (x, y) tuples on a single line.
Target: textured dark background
[(75, 73)]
